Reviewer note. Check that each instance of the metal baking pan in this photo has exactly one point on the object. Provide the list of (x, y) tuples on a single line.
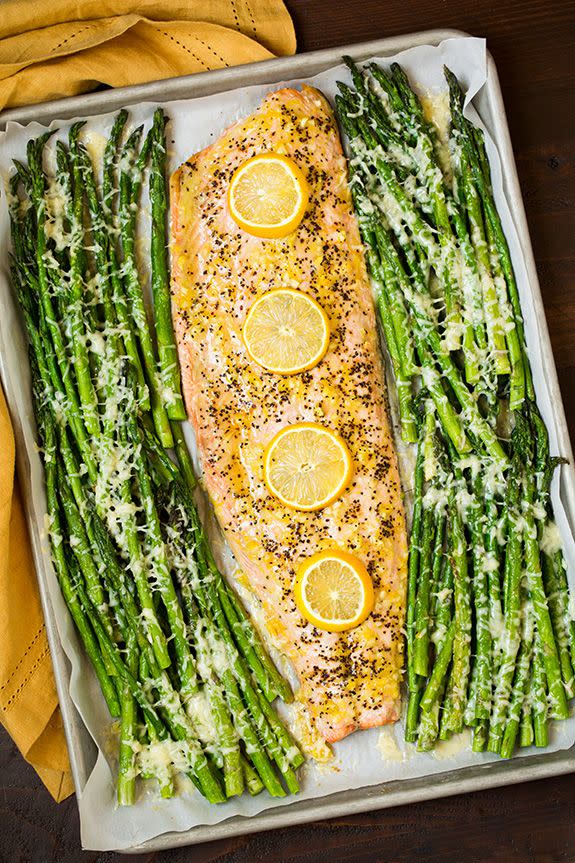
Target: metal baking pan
[(489, 103)]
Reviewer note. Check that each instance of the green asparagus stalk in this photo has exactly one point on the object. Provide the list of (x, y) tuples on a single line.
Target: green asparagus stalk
[(481, 603), (131, 175), (185, 662), (52, 334), (519, 688), (81, 619), (77, 331), (167, 352), (184, 458), (127, 769), (512, 633), (457, 689), (253, 782), (557, 695), (422, 600), (477, 163), (107, 265), (440, 667), (413, 680), (539, 695)]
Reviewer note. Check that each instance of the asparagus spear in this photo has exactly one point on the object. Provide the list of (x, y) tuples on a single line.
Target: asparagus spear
[(521, 382), (555, 579), (115, 307), (452, 719), (131, 176), (165, 585), (422, 600), (73, 202), (423, 322), (50, 327), (413, 679), (519, 688), (481, 604), (167, 353), (539, 695), (61, 565), (512, 634), (127, 769), (393, 319), (557, 695)]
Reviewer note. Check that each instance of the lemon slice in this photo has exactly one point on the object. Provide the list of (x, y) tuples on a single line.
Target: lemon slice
[(333, 590), (307, 466), (268, 196), (286, 332)]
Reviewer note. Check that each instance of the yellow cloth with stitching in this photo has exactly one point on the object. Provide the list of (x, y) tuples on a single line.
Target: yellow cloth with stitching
[(49, 50)]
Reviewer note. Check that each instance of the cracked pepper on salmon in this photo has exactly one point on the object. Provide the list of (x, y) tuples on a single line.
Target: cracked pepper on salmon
[(348, 680)]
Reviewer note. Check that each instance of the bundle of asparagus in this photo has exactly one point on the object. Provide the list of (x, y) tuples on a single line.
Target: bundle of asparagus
[(177, 657), (490, 642)]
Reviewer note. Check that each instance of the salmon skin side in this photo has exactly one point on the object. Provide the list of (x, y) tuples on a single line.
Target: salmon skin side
[(348, 680)]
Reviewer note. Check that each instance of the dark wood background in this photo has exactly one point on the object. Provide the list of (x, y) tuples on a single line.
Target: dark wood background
[(533, 42)]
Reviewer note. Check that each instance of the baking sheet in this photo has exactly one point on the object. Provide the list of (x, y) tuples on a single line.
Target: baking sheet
[(195, 124)]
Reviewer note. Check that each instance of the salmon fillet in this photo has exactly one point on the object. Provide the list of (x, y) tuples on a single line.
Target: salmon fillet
[(348, 680)]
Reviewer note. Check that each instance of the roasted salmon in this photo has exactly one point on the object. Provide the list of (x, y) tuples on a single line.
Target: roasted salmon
[(348, 680)]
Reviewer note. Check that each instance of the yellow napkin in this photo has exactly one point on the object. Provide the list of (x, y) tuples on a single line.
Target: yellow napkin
[(54, 48), (28, 701), (50, 49)]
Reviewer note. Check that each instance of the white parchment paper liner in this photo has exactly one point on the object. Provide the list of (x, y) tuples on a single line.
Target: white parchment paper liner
[(365, 758)]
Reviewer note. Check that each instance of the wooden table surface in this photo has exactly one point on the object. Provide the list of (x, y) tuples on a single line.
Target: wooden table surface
[(533, 43)]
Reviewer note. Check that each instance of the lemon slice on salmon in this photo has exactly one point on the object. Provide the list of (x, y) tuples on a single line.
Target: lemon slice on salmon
[(307, 466), (268, 196), (333, 590), (286, 332)]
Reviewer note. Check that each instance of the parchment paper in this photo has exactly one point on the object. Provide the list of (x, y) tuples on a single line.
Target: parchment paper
[(365, 758)]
